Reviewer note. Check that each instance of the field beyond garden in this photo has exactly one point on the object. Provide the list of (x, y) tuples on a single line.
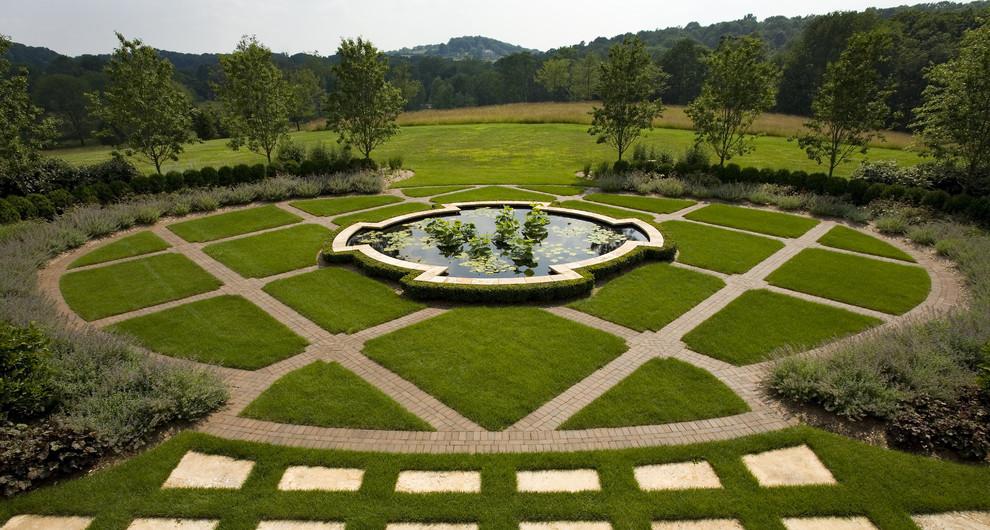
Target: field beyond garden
[(519, 144)]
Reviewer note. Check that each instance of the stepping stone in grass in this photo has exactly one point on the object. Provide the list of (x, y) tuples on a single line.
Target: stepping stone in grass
[(548, 480), (305, 478), (197, 470), (434, 481), (677, 476), (172, 524), (793, 466), (299, 525), (566, 525), (432, 526), (954, 521), (828, 523), (46, 522), (701, 524)]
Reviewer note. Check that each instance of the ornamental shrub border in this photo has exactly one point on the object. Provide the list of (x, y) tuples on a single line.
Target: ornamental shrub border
[(15, 208), (507, 293), (861, 191)]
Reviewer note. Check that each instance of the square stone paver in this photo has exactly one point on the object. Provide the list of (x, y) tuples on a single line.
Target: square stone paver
[(568, 480), (46, 522), (828, 523), (566, 525), (172, 524), (321, 478), (432, 526), (954, 521), (299, 525), (701, 524), (434, 481), (793, 466), (677, 476), (197, 470)]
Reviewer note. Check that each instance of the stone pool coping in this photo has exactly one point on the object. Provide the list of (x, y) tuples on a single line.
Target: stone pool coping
[(435, 273)]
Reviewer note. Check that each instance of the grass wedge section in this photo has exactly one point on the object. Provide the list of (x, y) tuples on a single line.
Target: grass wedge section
[(753, 325), (762, 221), (227, 330), (846, 238), (126, 247), (495, 365), (234, 223), (328, 395), (661, 391), (650, 297), (879, 285), (127, 286), (341, 301)]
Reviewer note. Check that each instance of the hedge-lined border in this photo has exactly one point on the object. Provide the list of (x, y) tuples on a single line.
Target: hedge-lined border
[(500, 293)]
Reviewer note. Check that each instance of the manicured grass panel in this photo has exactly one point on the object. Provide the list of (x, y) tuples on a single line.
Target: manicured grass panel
[(762, 221), (879, 285), (341, 301), (647, 204), (882, 484), (328, 395), (126, 247), (272, 252), (557, 190), (381, 214), (227, 330), (719, 250), (339, 205), (495, 365), (235, 223), (848, 239), (614, 213), (430, 191), (649, 297), (493, 193), (661, 391), (123, 287), (757, 322)]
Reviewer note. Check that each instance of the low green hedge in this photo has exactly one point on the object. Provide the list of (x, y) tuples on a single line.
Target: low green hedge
[(511, 293)]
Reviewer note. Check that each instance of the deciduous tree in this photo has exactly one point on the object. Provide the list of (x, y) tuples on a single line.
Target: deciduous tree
[(584, 77), (256, 98), (22, 131), (628, 84), (954, 121), (363, 106), (306, 96), (141, 105), (850, 107), (740, 86), (555, 76)]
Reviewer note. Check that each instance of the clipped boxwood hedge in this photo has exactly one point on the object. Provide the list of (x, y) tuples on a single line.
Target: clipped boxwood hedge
[(509, 293)]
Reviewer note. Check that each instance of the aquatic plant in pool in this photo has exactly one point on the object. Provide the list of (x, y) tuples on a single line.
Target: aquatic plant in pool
[(490, 242)]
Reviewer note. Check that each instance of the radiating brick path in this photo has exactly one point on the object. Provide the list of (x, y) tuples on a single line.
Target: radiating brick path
[(536, 431)]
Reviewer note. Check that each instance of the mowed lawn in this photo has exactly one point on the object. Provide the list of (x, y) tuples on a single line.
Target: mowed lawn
[(491, 153)]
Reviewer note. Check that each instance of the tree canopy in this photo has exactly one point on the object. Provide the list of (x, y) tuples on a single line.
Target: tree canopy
[(141, 106), (22, 131), (628, 86), (740, 86), (954, 121), (363, 106), (850, 108), (256, 98)]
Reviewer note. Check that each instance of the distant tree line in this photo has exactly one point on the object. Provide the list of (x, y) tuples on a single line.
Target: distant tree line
[(801, 47)]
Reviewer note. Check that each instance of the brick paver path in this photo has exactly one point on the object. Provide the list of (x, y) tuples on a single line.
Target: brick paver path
[(535, 432)]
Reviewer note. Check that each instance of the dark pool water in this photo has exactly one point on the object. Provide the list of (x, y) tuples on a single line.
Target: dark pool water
[(567, 239)]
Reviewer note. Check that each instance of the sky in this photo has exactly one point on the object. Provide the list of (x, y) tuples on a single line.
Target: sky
[(75, 27)]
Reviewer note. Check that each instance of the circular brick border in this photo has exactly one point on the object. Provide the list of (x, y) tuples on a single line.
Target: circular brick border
[(535, 432)]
